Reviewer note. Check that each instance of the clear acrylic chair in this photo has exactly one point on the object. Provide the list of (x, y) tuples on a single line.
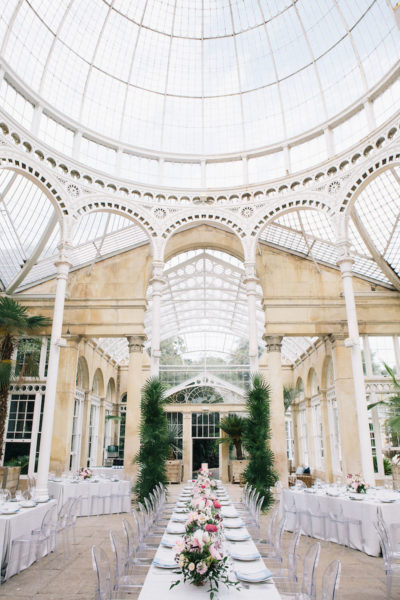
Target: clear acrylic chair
[(391, 560), (73, 514), (289, 572), (123, 581), (347, 531), (102, 568), (307, 589), (133, 545), (30, 548), (330, 581), (275, 552), (61, 525)]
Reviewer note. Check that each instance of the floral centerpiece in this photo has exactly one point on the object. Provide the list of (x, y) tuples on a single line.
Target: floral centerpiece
[(356, 484), (200, 554), (85, 473)]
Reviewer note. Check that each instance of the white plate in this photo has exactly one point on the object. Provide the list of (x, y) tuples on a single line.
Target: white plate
[(256, 577), (357, 497), (9, 511), (246, 557), (27, 504), (164, 565), (237, 536)]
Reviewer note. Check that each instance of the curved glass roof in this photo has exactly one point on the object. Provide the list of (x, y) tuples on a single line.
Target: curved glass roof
[(197, 77)]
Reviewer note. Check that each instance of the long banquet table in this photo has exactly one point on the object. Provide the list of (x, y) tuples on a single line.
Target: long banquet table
[(101, 496), (299, 502), (158, 580), (17, 525)]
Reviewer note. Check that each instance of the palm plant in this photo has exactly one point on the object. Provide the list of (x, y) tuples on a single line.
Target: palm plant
[(14, 323), (233, 426), (393, 405), (174, 432), (290, 394), (154, 447), (260, 472)]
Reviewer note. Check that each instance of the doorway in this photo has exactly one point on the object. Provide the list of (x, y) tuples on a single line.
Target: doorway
[(205, 449)]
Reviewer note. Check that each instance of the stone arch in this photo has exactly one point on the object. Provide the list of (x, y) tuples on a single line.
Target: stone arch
[(111, 390), (98, 383), (365, 175), (219, 238), (82, 374), (312, 383), (300, 387), (327, 374)]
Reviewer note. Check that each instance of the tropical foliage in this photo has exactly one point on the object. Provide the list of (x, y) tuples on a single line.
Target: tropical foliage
[(260, 471), (393, 406), (14, 323), (233, 426), (154, 440), (290, 394)]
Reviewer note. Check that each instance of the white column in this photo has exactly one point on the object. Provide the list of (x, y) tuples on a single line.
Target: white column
[(345, 263), (328, 135), (37, 115), (157, 283), (63, 266), (251, 291), (76, 145)]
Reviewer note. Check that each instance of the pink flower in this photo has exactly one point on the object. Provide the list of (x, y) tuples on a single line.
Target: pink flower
[(216, 504), (211, 527), (215, 553), (179, 545), (201, 568)]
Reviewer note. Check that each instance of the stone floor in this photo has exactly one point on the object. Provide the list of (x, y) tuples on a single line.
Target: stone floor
[(73, 579)]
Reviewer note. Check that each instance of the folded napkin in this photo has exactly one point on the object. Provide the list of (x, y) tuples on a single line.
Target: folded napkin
[(245, 556), (237, 535)]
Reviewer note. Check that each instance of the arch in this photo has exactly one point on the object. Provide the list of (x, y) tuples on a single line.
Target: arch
[(312, 383), (119, 208), (327, 375), (365, 175), (82, 374), (313, 201), (110, 393), (300, 387), (47, 184), (206, 237), (98, 383)]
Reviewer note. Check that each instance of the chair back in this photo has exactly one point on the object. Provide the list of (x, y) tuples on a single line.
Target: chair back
[(309, 568), (330, 581), (292, 553), (49, 521), (102, 568), (120, 550)]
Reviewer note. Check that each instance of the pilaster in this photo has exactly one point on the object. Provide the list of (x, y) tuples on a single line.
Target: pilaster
[(327, 437), (277, 409), (187, 446), (132, 426)]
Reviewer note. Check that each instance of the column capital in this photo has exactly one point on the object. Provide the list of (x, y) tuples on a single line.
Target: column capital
[(62, 262), (345, 260), (250, 278), (136, 343), (273, 342), (337, 339)]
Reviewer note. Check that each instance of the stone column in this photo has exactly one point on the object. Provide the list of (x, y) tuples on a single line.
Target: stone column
[(63, 266), (132, 426), (327, 437), (64, 408), (345, 263), (251, 292), (278, 430), (346, 407), (157, 282), (310, 436), (100, 438), (187, 446), (224, 455), (85, 429)]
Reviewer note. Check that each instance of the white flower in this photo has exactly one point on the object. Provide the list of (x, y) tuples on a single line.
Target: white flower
[(191, 567)]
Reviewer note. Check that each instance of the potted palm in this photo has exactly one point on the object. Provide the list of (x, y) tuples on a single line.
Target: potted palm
[(233, 427)]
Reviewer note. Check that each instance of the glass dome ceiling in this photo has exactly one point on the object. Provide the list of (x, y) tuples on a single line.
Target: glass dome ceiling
[(198, 77)]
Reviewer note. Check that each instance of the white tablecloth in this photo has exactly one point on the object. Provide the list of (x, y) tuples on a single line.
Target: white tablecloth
[(319, 503), (101, 497), (14, 526), (117, 472), (158, 580)]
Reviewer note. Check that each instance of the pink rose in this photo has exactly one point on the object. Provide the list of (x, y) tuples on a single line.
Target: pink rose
[(211, 527), (216, 504), (215, 553)]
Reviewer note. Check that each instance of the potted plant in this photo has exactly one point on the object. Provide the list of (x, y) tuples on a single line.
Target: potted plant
[(233, 426)]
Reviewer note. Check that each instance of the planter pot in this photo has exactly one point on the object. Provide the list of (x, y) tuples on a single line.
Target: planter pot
[(236, 470), (9, 478), (396, 477), (174, 471)]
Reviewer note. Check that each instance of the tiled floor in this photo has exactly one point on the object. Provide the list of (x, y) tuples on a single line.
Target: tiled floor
[(362, 576)]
